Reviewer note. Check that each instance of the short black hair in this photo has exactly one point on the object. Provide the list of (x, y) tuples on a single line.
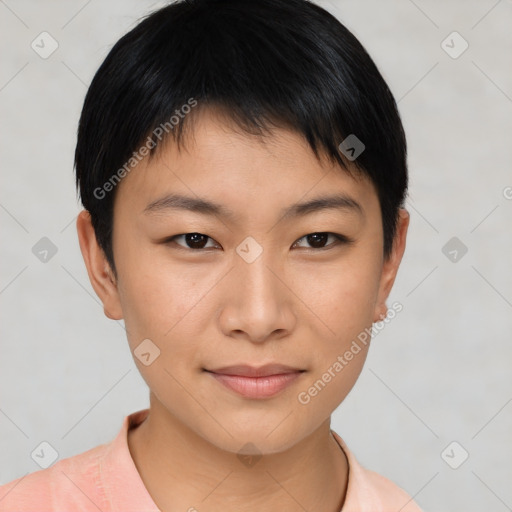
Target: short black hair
[(267, 63)]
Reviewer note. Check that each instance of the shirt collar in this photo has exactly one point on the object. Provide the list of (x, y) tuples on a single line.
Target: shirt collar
[(118, 463)]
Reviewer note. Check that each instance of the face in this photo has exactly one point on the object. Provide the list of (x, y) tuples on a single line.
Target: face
[(247, 277)]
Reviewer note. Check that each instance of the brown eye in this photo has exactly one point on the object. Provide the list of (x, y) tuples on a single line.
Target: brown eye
[(319, 240), (195, 241)]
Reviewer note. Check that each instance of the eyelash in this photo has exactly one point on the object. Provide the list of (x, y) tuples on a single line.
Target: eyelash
[(340, 240)]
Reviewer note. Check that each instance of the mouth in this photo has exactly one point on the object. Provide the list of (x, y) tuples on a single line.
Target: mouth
[(256, 382)]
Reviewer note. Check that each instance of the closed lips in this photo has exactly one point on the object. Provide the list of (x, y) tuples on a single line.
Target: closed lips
[(256, 372)]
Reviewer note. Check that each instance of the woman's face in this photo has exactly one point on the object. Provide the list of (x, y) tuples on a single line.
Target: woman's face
[(282, 265)]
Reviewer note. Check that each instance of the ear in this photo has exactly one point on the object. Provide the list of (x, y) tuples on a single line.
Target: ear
[(391, 264), (100, 273)]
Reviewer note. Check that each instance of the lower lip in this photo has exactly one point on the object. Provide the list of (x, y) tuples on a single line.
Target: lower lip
[(256, 387)]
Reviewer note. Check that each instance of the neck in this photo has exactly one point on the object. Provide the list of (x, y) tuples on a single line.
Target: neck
[(183, 471)]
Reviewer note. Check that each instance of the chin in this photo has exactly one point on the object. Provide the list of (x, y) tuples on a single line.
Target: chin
[(256, 438)]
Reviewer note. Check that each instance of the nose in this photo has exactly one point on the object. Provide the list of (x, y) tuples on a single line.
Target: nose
[(258, 304)]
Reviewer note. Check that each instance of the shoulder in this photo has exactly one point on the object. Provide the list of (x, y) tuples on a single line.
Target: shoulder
[(391, 495), (69, 482), (367, 491)]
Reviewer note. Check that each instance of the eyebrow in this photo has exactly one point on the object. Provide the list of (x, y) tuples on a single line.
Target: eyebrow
[(202, 206)]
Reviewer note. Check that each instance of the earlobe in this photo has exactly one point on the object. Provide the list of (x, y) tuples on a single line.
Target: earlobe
[(98, 269), (391, 264), (380, 312)]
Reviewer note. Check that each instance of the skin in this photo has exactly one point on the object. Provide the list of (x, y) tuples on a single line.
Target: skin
[(296, 304)]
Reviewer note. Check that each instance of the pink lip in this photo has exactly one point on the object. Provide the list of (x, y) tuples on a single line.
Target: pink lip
[(251, 382)]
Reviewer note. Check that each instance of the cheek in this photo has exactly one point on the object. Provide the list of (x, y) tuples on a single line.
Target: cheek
[(343, 298), (160, 297), (342, 295), (158, 305)]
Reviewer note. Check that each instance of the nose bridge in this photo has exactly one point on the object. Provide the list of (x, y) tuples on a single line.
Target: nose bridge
[(259, 287), (257, 302)]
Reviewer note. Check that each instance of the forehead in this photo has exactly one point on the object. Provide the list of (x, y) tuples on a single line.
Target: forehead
[(220, 161)]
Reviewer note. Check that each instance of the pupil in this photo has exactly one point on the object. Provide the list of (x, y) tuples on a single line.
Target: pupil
[(317, 239), (196, 240)]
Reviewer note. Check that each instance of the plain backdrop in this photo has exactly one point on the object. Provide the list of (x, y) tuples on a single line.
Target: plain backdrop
[(439, 373)]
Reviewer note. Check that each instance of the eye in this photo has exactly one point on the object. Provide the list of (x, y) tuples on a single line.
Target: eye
[(319, 240), (194, 241), (199, 241)]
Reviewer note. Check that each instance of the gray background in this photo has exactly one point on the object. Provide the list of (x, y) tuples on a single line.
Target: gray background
[(439, 372)]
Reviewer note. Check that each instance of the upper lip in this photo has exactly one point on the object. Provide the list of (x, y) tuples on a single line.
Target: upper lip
[(245, 370)]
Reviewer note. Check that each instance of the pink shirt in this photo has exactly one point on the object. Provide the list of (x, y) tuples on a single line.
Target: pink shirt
[(105, 478)]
